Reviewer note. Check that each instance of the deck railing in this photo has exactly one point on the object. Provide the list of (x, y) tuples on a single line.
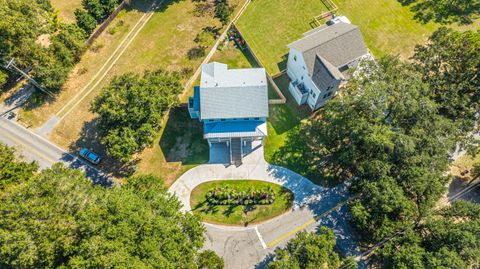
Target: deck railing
[(332, 9)]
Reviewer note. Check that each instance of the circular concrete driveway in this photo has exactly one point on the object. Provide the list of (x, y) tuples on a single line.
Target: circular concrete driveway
[(249, 247)]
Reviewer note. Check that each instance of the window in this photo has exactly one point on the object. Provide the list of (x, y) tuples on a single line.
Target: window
[(246, 119), (325, 96), (222, 119), (302, 77), (257, 118), (295, 58), (311, 92), (314, 95), (329, 88)]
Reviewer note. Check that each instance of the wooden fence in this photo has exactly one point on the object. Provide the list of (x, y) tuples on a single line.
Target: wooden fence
[(282, 99), (332, 9), (105, 24)]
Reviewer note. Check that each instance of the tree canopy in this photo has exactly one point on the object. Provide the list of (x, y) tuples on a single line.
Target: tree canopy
[(445, 11), (57, 218), (390, 132), (12, 170), (131, 108), (309, 250), (23, 23), (384, 133), (449, 238), (450, 65)]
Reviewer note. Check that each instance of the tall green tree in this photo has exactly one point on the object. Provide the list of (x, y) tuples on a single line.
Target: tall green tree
[(384, 133), (450, 65), (59, 219), (223, 12), (309, 251), (22, 23), (85, 21), (131, 107), (13, 171), (100, 9), (449, 238)]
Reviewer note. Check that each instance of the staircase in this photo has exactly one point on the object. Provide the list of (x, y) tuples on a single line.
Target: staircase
[(236, 148)]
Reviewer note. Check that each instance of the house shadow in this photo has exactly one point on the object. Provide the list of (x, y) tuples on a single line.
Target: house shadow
[(182, 138), (282, 65)]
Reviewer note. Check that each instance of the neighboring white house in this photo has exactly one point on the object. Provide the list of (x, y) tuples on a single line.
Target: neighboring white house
[(317, 63)]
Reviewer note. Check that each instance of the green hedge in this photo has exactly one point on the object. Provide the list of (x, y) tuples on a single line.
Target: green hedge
[(227, 196)]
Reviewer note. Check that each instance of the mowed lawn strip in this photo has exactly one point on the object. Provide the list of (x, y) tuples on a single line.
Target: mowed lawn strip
[(236, 214), (270, 25)]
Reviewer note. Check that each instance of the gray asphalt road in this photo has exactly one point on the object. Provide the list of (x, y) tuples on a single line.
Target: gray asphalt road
[(36, 148)]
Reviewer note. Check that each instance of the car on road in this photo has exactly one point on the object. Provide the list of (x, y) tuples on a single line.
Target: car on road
[(90, 156)]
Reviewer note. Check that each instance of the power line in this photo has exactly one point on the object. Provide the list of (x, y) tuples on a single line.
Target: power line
[(380, 244), (12, 67)]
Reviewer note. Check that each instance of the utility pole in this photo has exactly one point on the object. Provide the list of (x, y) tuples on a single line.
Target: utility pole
[(11, 66)]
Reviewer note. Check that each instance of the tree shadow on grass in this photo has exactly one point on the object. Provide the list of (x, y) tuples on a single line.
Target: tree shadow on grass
[(206, 208), (229, 211), (144, 5), (445, 12), (90, 139), (182, 138)]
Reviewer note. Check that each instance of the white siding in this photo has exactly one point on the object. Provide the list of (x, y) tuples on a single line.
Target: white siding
[(297, 70)]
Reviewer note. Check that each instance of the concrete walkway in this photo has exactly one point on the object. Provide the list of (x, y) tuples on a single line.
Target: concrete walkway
[(253, 246)]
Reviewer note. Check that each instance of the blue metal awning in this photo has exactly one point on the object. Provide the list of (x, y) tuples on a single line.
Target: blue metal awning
[(234, 128)]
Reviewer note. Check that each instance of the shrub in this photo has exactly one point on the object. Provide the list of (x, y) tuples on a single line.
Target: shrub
[(226, 196)]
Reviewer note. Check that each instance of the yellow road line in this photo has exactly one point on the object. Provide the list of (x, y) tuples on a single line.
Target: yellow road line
[(285, 236), (24, 146), (303, 226)]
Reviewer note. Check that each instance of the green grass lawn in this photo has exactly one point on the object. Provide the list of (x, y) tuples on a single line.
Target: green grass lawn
[(387, 26), (66, 8), (239, 215), (270, 25), (234, 57), (282, 119)]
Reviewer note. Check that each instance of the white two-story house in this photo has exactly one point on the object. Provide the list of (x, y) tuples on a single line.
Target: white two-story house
[(318, 62)]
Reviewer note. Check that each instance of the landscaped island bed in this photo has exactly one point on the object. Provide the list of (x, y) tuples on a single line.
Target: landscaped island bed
[(240, 214)]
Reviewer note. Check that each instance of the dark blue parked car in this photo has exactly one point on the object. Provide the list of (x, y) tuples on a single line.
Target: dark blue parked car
[(90, 156)]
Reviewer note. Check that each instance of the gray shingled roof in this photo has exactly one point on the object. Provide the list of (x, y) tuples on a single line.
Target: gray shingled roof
[(233, 102), (324, 73), (338, 44), (233, 93)]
